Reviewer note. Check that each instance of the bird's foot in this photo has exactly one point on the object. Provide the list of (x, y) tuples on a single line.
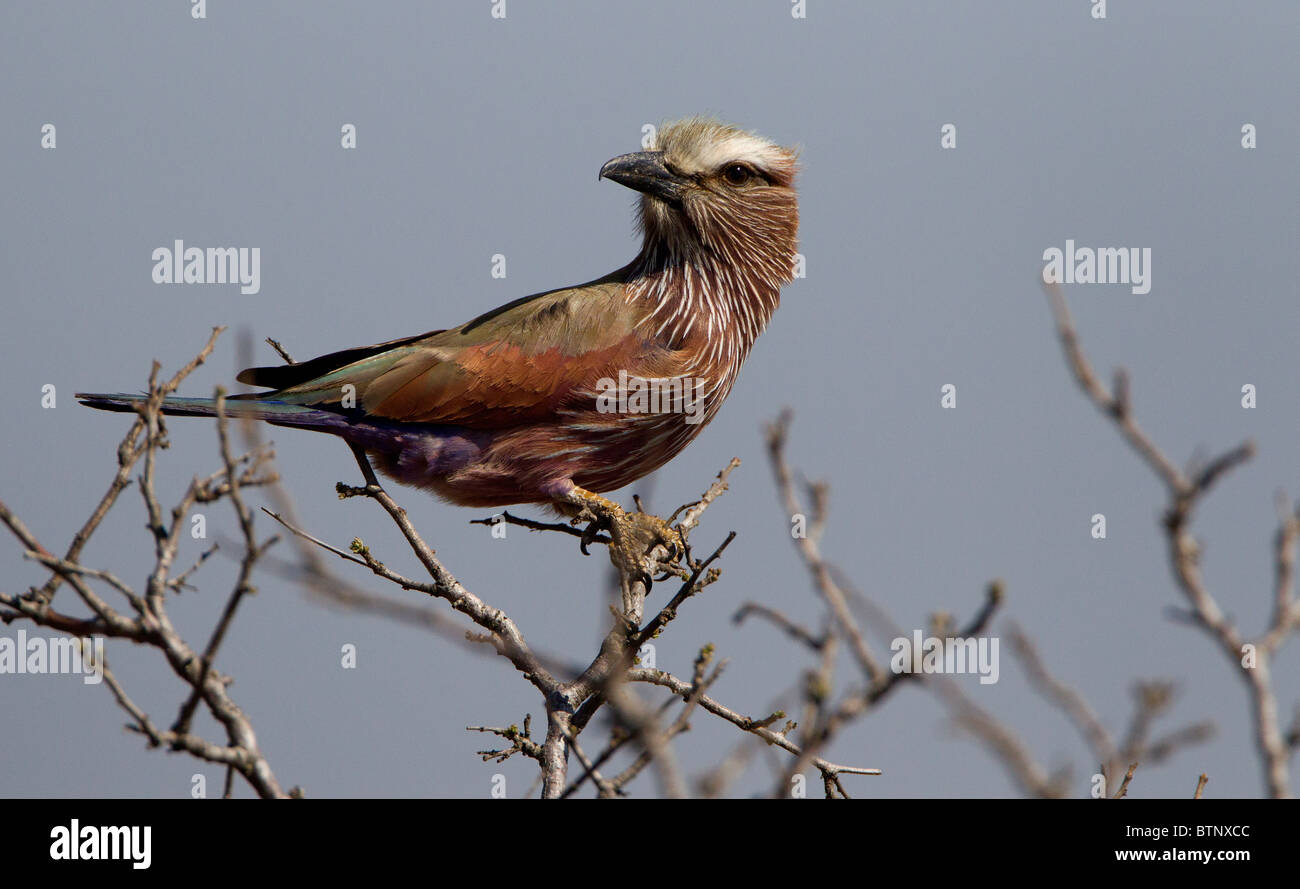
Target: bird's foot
[(633, 536)]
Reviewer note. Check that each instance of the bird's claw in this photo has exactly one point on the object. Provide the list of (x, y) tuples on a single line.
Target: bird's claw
[(590, 534), (633, 536)]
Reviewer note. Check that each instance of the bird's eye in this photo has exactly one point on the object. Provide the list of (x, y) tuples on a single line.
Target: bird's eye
[(736, 174)]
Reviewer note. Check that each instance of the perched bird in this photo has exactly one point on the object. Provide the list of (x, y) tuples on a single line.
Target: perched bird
[(558, 395)]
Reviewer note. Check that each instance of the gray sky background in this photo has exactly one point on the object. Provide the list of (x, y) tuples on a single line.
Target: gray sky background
[(478, 136)]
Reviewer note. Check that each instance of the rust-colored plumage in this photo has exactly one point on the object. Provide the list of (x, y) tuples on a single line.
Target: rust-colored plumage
[(544, 399)]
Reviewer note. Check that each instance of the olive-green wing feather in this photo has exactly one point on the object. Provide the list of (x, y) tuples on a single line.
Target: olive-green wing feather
[(513, 365)]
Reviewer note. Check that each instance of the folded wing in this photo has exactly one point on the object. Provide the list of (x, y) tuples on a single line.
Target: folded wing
[(512, 366)]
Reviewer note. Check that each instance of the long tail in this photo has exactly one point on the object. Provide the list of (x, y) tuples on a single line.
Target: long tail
[(278, 412)]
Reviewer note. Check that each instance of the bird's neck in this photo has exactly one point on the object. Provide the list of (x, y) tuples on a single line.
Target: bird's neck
[(688, 293)]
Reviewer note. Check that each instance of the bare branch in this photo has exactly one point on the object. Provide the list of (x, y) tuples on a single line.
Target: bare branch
[(1185, 491)]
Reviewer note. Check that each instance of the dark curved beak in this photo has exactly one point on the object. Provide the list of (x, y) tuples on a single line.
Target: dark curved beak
[(644, 171)]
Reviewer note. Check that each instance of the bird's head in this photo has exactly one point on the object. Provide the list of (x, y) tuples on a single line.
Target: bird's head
[(716, 194)]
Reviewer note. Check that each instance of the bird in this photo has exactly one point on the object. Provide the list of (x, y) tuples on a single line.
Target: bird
[(560, 395)]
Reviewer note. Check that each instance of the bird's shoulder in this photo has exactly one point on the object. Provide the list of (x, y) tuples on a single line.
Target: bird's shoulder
[(571, 319)]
